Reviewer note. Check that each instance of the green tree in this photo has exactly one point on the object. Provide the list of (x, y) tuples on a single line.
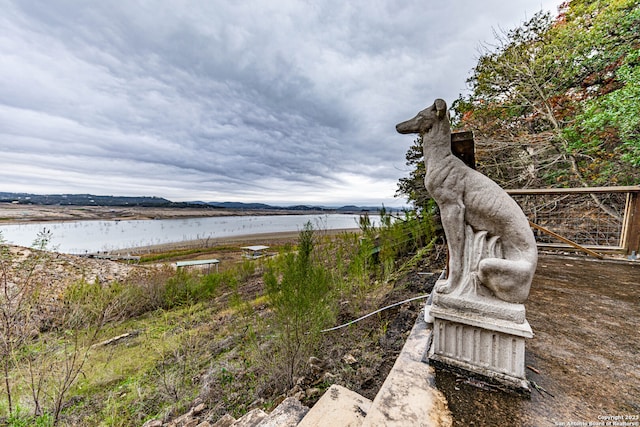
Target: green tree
[(512, 110), (412, 187), (540, 90), (554, 102), (603, 132)]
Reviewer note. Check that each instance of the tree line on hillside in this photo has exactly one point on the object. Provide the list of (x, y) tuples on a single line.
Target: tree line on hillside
[(84, 200), (554, 102), (159, 202)]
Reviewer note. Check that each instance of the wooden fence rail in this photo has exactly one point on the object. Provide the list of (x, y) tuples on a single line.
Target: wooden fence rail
[(598, 218)]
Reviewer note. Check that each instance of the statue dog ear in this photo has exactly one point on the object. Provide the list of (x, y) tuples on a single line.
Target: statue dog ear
[(441, 108)]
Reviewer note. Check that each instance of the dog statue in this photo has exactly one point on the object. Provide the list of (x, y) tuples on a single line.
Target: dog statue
[(489, 238)]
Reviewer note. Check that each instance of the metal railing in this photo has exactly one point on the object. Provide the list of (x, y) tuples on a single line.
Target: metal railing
[(604, 219)]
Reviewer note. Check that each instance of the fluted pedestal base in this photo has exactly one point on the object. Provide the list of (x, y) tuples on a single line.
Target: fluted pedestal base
[(486, 347)]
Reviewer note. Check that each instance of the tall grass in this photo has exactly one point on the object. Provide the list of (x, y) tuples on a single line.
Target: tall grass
[(384, 247)]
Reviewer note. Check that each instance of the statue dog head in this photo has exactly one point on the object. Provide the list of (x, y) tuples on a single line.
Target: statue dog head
[(426, 119)]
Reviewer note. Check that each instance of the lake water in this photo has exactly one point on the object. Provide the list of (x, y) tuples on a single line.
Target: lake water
[(92, 236)]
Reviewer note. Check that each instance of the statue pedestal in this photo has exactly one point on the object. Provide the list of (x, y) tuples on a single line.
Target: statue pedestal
[(487, 347)]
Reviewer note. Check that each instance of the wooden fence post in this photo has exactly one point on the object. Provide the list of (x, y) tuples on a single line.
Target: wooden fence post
[(631, 230)]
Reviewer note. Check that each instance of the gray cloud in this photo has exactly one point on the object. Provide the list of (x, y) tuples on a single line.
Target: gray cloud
[(283, 102)]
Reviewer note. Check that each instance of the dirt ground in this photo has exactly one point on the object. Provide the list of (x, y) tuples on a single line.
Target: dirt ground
[(585, 352)]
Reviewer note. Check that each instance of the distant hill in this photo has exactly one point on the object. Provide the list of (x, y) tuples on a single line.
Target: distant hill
[(239, 205), (149, 201), (83, 200), (262, 206)]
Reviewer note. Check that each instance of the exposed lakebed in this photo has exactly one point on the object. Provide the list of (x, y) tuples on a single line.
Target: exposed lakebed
[(99, 235)]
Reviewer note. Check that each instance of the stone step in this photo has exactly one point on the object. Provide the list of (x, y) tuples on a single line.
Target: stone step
[(338, 407), (250, 419), (226, 421), (409, 397), (287, 414)]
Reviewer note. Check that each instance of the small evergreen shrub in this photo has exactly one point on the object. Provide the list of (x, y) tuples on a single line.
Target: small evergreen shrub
[(299, 292)]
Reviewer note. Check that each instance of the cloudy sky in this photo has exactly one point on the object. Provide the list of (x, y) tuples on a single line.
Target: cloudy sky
[(275, 101)]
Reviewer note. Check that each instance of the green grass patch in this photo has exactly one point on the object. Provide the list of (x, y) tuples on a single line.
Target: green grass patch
[(180, 253), (151, 373)]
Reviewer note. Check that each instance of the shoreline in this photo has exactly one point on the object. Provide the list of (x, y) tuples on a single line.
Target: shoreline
[(26, 214), (267, 239), (17, 214)]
